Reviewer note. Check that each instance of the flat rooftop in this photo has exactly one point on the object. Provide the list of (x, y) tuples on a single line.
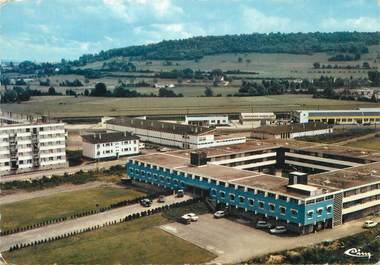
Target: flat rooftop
[(328, 181)]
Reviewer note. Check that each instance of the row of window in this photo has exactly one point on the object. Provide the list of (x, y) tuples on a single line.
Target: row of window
[(116, 143), (319, 211), (29, 161), (213, 181)]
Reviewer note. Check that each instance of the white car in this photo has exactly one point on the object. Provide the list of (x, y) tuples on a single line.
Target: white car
[(193, 217), (369, 224), (278, 230), (263, 224), (219, 214)]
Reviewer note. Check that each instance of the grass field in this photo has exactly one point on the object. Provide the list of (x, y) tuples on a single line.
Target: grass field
[(339, 135), (59, 106), (371, 143), (329, 252), (135, 242), (267, 65), (36, 210)]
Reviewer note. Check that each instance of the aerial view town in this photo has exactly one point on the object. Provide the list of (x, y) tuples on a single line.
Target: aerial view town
[(189, 132)]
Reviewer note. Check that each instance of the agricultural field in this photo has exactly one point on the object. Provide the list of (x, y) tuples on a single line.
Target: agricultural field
[(137, 242), (267, 65), (371, 143), (65, 106), (27, 212)]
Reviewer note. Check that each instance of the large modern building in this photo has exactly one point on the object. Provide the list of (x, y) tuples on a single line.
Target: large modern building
[(207, 121), (321, 186), (358, 116), (27, 147), (108, 145), (291, 130), (171, 134)]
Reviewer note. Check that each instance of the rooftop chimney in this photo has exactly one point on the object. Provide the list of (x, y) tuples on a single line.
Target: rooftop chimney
[(298, 178), (198, 158)]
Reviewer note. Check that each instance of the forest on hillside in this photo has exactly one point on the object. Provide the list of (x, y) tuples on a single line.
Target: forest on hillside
[(352, 43)]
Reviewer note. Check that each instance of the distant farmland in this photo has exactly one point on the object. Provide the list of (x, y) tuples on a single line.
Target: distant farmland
[(62, 106)]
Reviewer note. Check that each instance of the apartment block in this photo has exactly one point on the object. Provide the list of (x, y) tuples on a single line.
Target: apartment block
[(27, 147)]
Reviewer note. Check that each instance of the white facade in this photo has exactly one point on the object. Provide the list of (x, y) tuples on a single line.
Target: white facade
[(257, 119), (27, 147), (207, 120), (358, 116), (193, 141), (111, 149)]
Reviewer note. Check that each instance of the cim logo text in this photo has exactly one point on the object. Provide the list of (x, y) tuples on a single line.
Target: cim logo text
[(357, 253)]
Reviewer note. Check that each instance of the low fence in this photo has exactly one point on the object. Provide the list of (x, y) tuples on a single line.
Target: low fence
[(83, 214), (127, 218)]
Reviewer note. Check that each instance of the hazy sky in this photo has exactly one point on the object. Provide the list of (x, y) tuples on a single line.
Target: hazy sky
[(53, 29)]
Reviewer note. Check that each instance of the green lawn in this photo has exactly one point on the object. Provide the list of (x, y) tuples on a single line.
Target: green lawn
[(329, 252), (372, 143), (135, 242), (36, 210), (339, 136)]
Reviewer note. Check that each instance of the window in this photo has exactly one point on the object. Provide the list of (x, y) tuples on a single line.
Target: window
[(261, 204), (271, 195), (281, 197), (319, 211), (213, 192), (282, 210), (241, 199), (310, 214), (250, 202), (271, 207), (329, 209), (232, 197), (260, 192), (222, 194), (294, 212)]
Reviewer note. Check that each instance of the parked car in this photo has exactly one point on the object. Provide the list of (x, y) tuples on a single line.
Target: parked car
[(161, 199), (278, 230), (193, 217), (263, 224), (184, 220), (219, 214), (369, 224), (146, 202), (180, 193)]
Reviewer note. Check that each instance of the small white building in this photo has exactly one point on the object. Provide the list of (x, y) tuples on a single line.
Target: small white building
[(217, 120), (291, 131), (110, 145), (256, 119)]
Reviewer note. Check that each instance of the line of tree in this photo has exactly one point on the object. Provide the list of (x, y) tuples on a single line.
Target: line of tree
[(197, 47), (121, 90)]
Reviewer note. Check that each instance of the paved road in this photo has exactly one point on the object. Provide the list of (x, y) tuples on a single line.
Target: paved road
[(235, 242), (24, 195), (73, 225), (61, 171)]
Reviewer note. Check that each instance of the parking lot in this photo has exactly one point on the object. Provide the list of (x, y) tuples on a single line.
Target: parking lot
[(235, 241)]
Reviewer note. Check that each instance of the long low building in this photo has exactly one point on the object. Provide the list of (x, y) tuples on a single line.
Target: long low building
[(359, 116), (207, 121), (291, 130), (323, 185), (27, 147), (171, 134)]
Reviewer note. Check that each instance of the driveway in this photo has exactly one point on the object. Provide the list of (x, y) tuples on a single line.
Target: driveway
[(236, 241), (76, 224)]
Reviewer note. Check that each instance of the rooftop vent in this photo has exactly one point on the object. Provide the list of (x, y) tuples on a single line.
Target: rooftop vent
[(198, 158)]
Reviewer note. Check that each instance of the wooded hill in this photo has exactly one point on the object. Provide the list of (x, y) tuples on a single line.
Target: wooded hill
[(354, 43)]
